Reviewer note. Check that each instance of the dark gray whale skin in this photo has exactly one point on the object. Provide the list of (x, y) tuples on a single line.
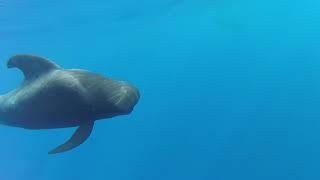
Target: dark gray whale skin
[(53, 97)]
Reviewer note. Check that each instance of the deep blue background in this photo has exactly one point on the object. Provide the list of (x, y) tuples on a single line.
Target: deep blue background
[(230, 89)]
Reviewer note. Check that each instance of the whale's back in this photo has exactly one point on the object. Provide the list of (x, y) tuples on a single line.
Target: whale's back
[(54, 100)]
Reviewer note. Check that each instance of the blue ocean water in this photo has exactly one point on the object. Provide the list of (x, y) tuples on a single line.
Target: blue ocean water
[(229, 89)]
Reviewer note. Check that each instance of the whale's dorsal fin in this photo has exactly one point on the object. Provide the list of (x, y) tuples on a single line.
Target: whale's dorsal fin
[(81, 134), (31, 66)]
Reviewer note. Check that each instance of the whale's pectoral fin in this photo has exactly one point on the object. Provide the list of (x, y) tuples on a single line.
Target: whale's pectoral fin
[(80, 135), (31, 66)]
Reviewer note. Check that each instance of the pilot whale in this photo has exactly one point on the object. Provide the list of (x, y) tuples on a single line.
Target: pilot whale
[(52, 97)]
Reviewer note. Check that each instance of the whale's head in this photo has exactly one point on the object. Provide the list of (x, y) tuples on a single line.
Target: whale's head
[(108, 97), (125, 97), (113, 98)]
